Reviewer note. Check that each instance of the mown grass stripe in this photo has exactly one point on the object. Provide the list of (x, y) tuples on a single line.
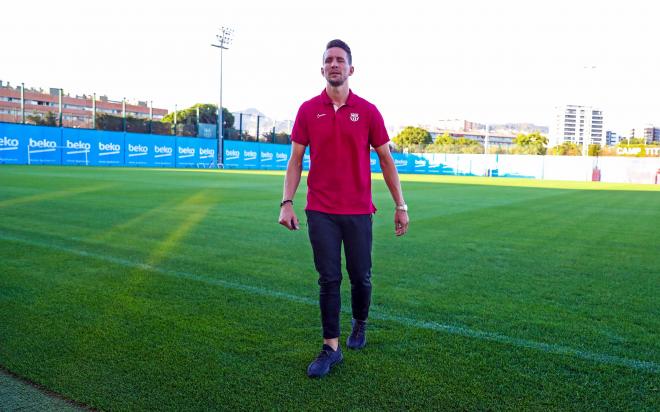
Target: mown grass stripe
[(641, 365)]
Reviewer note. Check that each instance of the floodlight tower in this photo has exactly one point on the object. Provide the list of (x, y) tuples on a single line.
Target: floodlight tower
[(224, 40)]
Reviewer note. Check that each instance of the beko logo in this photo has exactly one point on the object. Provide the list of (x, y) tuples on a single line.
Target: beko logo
[(42, 143), (206, 152), (107, 147), (138, 148), (163, 149), (5, 141), (187, 151), (80, 145)]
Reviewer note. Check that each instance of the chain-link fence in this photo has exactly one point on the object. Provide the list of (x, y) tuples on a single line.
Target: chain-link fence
[(253, 126)]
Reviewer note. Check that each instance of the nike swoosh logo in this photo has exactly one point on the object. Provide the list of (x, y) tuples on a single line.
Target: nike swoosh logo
[(319, 115)]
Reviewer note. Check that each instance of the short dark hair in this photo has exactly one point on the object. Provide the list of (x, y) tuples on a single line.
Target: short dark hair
[(342, 45)]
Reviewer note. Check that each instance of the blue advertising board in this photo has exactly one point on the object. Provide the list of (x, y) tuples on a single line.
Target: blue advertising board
[(402, 162), (232, 154), (208, 152), (282, 152), (307, 159), (139, 150), (267, 156), (418, 163), (110, 149), (13, 145), (241, 155), (274, 156), (92, 147), (195, 152), (44, 145), (163, 148), (374, 162), (252, 155), (77, 147)]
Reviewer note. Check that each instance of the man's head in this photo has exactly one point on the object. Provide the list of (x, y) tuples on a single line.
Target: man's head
[(337, 63)]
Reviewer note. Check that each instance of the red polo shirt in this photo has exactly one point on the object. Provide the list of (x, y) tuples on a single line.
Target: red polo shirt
[(339, 179)]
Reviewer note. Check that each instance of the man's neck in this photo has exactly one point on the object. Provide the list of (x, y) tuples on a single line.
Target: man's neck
[(338, 94)]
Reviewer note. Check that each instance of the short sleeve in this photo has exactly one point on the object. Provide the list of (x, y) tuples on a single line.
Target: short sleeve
[(377, 131), (300, 134)]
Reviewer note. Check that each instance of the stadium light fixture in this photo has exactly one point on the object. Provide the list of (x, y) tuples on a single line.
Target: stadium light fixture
[(224, 40)]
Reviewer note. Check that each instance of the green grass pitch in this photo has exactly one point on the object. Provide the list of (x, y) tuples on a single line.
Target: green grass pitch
[(127, 289)]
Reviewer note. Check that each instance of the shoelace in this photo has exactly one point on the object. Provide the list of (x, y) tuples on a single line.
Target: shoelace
[(358, 330), (324, 354)]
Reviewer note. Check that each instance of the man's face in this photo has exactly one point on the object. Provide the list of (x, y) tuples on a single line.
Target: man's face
[(336, 68)]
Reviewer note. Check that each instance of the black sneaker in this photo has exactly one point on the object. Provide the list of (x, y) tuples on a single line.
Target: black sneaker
[(326, 360), (357, 339)]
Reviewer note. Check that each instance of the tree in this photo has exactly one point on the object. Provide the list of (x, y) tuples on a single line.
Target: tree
[(207, 114), (50, 119), (464, 141), (444, 139), (411, 136), (105, 121), (594, 149), (533, 143), (567, 149), (633, 140)]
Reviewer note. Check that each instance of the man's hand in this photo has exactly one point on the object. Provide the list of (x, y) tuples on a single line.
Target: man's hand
[(400, 222), (288, 217)]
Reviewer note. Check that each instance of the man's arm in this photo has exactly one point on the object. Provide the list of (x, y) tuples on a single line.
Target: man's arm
[(288, 217), (391, 177)]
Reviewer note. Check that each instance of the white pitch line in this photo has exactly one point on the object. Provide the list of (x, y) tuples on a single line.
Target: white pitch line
[(646, 366)]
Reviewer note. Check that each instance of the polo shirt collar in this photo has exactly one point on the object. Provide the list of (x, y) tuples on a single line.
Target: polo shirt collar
[(350, 100)]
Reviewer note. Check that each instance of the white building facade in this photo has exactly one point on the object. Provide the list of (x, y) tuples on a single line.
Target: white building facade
[(577, 124)]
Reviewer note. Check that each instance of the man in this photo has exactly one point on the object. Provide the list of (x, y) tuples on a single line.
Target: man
[(339, 127)]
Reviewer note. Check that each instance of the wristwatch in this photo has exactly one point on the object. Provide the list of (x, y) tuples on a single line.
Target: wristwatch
[(403, 207)]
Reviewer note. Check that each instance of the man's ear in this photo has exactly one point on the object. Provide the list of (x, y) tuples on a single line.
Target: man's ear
[(322, 72), (350, 72)]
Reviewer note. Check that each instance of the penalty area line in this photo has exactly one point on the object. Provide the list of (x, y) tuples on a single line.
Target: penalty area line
[(641, 365)]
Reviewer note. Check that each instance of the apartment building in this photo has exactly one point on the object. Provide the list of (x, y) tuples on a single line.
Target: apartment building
[(577, 124), (77, 111)]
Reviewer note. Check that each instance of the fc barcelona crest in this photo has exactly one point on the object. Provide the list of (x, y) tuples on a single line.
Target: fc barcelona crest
[(355, 117)]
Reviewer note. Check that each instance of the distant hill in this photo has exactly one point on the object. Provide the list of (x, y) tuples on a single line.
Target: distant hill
[(265, 123)]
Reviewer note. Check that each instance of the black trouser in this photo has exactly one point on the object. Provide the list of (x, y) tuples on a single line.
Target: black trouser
[(326, 233)]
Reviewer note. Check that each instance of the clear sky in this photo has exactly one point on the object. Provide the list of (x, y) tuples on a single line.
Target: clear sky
[(418, 61)]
